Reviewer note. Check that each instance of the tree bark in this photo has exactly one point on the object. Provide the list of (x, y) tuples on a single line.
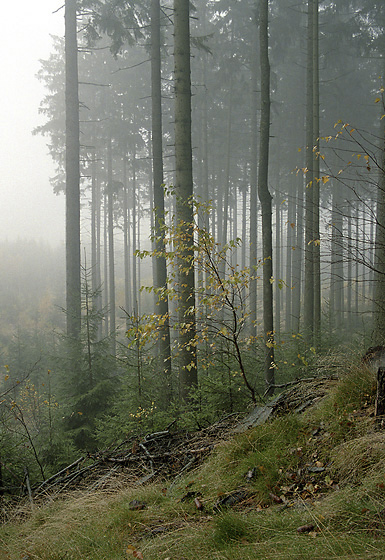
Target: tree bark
[(111, 252), (379, 289), (290, 236), (253, 239), (316, 182), (379, 409), (160, 276), (184, 203), (266, 200), (297, 263), (72, 167), (95, 244), (127, 242), (309, 196), (278, 260)]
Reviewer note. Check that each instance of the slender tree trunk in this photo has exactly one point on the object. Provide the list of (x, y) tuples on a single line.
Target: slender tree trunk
[(297, 263), (111, 252), (309, 196), (333, 258), (127, 242), (349, 265), (226, 182), (99, 298), (135, 295), (253, 239), (278, 260), (244, 228), (316, 182), (337, 267), (105, 265), (73, 281), (235, 251), (357, 267), (266, 199), (139, 261), (95, 243), (379, 286), (184, 192), (290, 229), (160, 276), (364, 251)]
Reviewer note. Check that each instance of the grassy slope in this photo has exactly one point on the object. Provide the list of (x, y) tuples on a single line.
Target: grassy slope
[(345, 502)]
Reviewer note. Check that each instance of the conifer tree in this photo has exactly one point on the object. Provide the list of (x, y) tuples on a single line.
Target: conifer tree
[(73, 283), (184, 196)]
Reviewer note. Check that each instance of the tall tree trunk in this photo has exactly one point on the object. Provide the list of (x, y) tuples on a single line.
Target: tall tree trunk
[(105, 265), (316, 181), (253, 239), (337, 265), (349, 277), (266, 199), (297, 263), (290, 235), (244, 228), (135, 293), (226, 181), (95, 243), (73, 281), (309, 196), (379, 286), (127, 242), (111, 252), (160, 276), (184, 192), (357, 267), (278, 261)]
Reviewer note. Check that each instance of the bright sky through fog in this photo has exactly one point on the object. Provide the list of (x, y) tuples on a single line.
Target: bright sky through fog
[(28, 207)]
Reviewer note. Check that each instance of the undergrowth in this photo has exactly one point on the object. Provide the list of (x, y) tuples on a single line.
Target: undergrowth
[(310, 487)]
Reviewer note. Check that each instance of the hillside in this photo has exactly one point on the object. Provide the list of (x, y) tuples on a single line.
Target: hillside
[(300, 486)]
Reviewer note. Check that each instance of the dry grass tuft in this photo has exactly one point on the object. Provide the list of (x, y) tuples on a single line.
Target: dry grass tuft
[(356, 459)]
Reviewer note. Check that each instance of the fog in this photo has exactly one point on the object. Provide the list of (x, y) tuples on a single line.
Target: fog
[(269, 237), (29, 210)]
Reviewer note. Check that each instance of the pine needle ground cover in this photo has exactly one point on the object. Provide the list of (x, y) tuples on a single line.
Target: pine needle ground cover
[(308, 486)]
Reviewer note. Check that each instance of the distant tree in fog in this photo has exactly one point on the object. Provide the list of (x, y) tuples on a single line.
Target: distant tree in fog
[(72, 169)]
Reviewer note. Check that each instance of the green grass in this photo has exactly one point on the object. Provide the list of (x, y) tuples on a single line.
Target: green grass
[(345, 504)]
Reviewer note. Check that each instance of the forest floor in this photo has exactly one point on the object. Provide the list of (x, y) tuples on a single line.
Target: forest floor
[(303, 480)]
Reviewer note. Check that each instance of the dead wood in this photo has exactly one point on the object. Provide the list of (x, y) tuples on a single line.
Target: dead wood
[(169, 454), (380, 396), (166, 454), (299, 396)]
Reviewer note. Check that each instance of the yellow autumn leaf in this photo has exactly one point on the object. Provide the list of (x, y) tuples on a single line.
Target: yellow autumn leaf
[(131, 551), (325, 178), (377, 100)]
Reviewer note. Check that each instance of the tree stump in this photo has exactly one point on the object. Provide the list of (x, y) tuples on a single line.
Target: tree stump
[(379, 410)]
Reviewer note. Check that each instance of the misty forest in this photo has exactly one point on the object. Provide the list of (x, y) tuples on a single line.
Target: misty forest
[(223, 167)]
